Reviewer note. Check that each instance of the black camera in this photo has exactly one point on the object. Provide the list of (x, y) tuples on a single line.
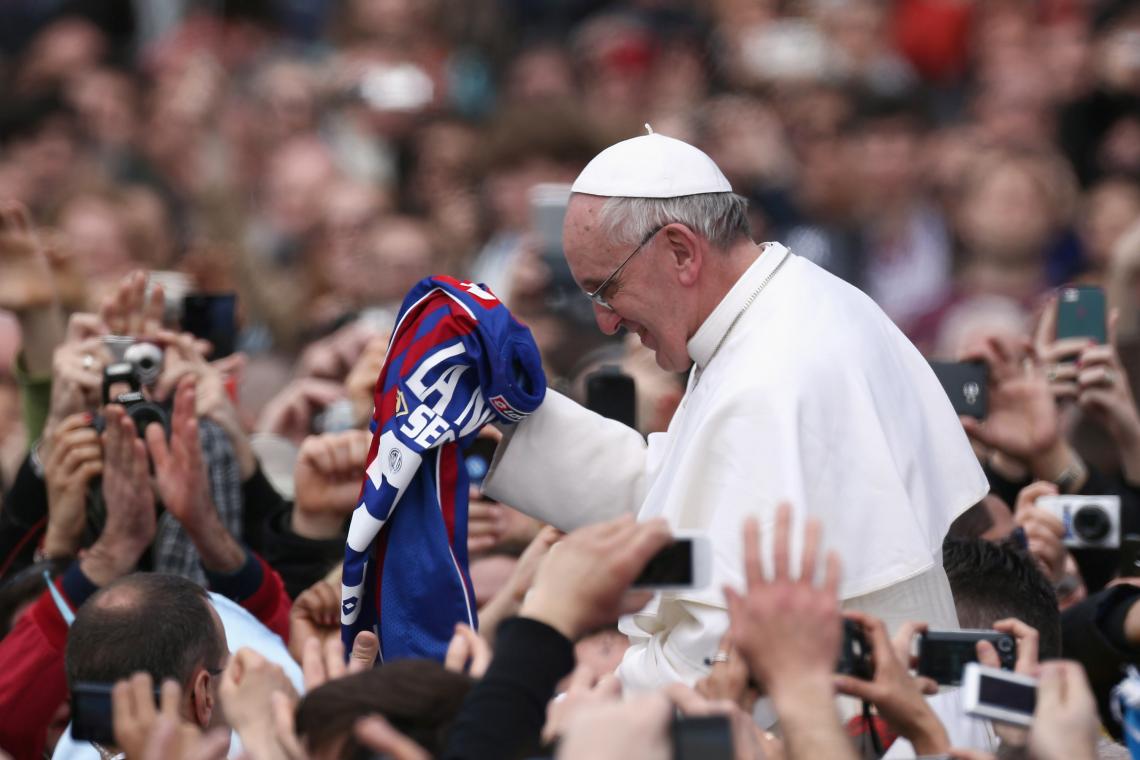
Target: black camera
[(141, 411), (855, 654), (943, 655)]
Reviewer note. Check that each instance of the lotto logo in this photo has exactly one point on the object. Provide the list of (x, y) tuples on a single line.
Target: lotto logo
[(503, 407), (348, 606)]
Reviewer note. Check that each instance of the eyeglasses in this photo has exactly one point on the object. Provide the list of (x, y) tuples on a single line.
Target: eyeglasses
[(596, 296)]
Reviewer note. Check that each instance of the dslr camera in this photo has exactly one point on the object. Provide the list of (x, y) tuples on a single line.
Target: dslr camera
[(1091, 522), (141, 410)]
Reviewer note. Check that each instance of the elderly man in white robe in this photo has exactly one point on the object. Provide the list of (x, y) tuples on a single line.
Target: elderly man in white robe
[(799, 389)]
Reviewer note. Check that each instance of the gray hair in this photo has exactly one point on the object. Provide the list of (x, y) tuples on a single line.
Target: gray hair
[(721, 218)]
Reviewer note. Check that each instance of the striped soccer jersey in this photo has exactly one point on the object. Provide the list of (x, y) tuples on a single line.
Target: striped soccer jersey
[(457, 360)]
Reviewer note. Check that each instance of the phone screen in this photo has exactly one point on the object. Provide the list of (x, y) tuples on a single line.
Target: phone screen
[(998, 692), (478, 459), (1081, 313), (212, 317), (91, 713), (672, 566)]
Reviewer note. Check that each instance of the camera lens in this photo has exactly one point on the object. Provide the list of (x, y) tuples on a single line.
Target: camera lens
[(1091, 523), (1005, 644)]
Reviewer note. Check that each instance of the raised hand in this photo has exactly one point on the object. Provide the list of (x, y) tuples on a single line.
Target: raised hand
[(582, 582), (728, 678), (315, 614), (157, 734), (183, 484), (1022, 420), (75, 456), (899, 696), (468, 652), (1044, 531), (329, 470), (1065, 723), (26, 281), (77, 377), (130, 525), (128, 311), (246, 694), (290, 413), (788, 628), (322, 662)]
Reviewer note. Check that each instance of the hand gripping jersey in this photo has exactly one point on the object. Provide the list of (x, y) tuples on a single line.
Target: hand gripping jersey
[(457, 360)]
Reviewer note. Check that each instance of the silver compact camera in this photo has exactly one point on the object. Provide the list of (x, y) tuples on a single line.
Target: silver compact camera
[(1091, 522)]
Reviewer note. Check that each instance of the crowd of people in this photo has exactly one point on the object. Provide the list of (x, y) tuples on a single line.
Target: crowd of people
[(956, 160)]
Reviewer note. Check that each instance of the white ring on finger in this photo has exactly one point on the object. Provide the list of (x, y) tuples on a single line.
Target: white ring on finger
[(88, 361)]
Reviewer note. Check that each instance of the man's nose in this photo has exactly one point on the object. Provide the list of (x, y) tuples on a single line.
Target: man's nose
[(607, 319)]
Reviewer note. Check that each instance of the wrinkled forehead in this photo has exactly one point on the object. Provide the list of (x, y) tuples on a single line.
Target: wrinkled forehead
[(585, 239)]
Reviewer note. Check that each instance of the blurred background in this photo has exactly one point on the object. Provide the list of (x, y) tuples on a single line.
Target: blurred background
[(954, 159)]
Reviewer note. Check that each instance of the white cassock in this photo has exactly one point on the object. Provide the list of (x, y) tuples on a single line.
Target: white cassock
[(816, 398)]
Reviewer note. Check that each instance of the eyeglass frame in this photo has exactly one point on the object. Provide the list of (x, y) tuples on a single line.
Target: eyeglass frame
[(596, 295)]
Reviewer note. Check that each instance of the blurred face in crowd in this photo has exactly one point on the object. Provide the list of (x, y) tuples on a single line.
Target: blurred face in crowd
[(393, 255), (299, 175), (95, 232), (106, 102), (1006, 213), (888, 151), (1111, 207), (647, 298)]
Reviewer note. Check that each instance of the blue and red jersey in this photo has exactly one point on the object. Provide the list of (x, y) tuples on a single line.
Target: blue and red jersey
[(457, 360)]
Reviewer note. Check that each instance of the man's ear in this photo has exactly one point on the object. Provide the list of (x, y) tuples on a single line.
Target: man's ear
[(686, 252), (201, 706)]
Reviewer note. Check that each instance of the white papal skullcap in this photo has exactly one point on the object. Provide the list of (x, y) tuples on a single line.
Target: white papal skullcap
[(651, 166)]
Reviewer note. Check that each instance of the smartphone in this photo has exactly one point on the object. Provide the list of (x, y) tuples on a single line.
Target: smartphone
[(999, 695), (91, 712), (212, 317), (707, 737), (965, 383), (1130, 556), (563, 297), (684, 564), (943, 655), (478, 458), (1081, 313), (612, 393), (855, 655)]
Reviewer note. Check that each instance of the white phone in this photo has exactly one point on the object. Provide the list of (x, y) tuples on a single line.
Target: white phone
[(684, 564), (998, 695)]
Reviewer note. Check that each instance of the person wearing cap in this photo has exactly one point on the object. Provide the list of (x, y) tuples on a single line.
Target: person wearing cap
[(799, 389)]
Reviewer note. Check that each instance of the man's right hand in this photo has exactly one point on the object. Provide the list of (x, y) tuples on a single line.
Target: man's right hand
[(581, 582)]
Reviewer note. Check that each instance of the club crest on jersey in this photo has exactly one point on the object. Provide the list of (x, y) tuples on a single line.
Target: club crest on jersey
[(395, 460), (503, 407)]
